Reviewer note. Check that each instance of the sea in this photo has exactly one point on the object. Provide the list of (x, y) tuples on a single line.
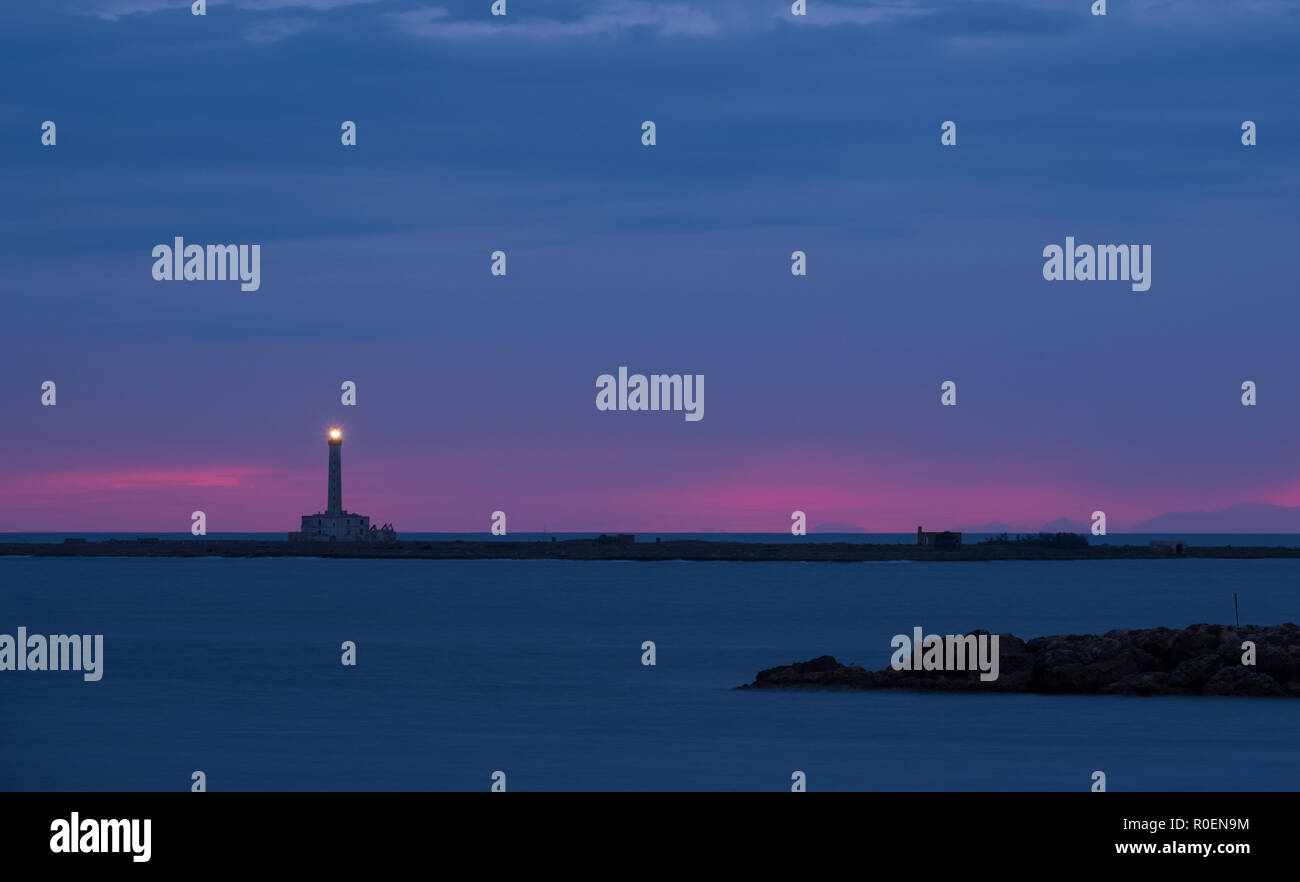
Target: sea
[(532, 670)]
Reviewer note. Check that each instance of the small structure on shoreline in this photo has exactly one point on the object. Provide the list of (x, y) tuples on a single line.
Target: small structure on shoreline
[(941, 540), (336, 524)]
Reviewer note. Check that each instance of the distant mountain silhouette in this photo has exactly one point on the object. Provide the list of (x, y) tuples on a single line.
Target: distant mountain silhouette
[(994, 527), (1249, 517), (836, 528), (1065, 525)]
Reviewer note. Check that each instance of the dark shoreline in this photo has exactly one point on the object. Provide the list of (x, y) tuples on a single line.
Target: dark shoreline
[(594, 549)]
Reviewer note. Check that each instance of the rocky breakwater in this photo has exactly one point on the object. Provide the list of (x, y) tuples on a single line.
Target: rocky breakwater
[(1197, 660)]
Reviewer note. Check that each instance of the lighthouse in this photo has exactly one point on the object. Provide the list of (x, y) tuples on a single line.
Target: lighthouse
[(334, 504), (335, 523)]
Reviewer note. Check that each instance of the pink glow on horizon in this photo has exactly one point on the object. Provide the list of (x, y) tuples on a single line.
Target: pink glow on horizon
[(95, 481), (579, 491), (1288, 494)]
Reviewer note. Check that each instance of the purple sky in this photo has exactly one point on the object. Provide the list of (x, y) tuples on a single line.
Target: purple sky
[(478, 393)]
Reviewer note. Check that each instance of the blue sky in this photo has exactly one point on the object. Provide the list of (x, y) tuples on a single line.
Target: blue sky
[(523, 133)]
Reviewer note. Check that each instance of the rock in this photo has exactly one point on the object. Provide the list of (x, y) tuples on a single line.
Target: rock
[(1016, 664), (1197, 660), (1146, 683), (1193, 673), (1276, 661), (821, 671), (1241, 681), (1158, 642)]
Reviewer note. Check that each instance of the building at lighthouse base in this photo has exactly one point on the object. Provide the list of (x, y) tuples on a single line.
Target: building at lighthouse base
[(344, 526)]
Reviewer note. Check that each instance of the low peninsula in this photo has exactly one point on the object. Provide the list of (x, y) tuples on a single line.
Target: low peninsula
[(624, 547)]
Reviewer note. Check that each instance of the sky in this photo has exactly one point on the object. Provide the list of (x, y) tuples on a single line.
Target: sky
[(522, 133)]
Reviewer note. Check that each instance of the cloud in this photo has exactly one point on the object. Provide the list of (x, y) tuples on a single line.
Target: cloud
[(277, 29), (608, 17), (112, 10), (322, 5), (665, 19), (842, 14)]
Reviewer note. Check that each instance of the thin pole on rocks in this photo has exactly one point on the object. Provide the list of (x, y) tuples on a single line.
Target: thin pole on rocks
[(1235, 611)]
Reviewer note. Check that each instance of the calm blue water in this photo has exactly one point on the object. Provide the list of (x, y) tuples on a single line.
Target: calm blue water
[(533, 667)]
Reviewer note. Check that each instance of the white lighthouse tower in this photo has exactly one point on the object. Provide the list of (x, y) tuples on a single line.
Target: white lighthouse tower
[(336, 524)]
